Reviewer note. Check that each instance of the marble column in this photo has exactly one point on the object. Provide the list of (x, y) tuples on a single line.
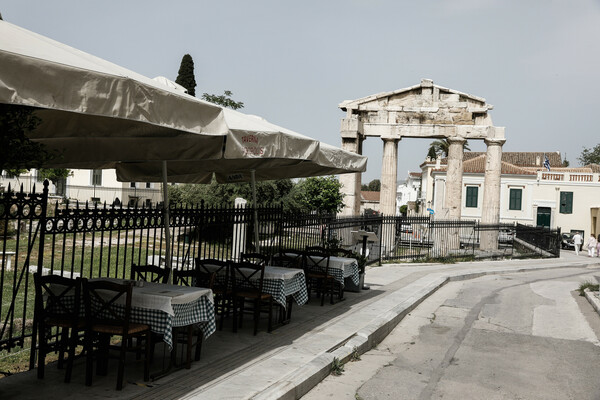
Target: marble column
[(490, 211), (351, 182), (387, 196), (389, 174), (453, 195)]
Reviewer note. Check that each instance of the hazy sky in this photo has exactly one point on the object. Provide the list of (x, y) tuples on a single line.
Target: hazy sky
[(293, 63)]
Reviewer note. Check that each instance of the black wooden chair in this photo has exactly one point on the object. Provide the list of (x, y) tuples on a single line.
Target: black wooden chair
[(222, 289), (256, 258), (248, 283), (108, 313), (288, 258), (318, 278), (341, 252), (149, 273), (197, 278), (57, 305)]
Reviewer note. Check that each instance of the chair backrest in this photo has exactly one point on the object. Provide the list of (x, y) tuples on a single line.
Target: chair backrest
[(194, 277), (316, 248), (288, 258), (256, 258), (340, 252), (149, 273), (57, 297), (205, 279), (316, 262), (247, 276), (219, 268), (107, 302)]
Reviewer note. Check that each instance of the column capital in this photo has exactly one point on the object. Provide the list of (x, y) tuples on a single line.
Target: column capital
[(389, 139), (456, 139), (494, 142)]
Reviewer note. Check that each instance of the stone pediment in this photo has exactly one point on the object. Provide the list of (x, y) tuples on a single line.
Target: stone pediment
[(425, 103)]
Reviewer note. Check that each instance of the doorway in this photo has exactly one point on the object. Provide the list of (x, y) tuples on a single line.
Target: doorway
[(543, 217)]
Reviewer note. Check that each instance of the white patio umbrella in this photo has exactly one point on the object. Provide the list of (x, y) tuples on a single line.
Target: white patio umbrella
[(96, 113), (255, 150)]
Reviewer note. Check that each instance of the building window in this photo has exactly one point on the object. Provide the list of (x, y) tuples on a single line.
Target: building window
[(148, 185), (472, 196), (132, 184), (515, 199), (96, 177), (566, 202)]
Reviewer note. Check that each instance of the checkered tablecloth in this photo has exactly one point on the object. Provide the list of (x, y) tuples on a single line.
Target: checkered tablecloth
[(343, 267), (199, 311), (286, 285), (282, 282)]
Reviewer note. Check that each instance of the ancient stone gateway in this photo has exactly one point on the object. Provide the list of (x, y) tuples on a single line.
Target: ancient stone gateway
[(424, 111)]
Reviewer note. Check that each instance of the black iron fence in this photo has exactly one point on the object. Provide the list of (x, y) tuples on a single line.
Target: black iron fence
[(92, 240)]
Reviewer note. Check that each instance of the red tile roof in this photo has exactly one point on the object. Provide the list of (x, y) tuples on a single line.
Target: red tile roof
[(370, 196)]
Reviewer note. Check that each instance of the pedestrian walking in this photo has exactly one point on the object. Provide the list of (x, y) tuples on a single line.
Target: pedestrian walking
[(577, 239), (598, 246), (592, 243)]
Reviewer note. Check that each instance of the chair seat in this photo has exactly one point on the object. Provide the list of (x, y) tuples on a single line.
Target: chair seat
[(319, 276), (252, 294), (118, 330)]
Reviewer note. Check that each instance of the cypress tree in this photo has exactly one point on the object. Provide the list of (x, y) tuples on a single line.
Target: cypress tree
[(185, 77)]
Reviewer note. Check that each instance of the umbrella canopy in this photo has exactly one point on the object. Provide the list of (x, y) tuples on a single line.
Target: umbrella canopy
[(255, 149), (252, 144), (96, 113)]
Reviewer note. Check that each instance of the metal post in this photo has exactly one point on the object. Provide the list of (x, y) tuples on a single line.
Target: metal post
[(167, 218), (253, 182)]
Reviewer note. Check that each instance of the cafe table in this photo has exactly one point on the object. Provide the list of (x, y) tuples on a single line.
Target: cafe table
[(164, 307), (281, 283), (343, 267)]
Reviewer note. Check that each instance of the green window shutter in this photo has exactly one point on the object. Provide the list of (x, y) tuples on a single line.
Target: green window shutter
[(472, 196), (515, 199), (566, 202)]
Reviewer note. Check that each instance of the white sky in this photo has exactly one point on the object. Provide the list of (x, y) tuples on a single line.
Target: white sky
[(536, 61)]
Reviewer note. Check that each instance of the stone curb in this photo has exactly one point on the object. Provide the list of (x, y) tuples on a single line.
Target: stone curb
[(592, 297), (301, 381)]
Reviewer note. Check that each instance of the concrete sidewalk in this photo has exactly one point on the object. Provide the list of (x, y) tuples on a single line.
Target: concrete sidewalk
[(290, 361)]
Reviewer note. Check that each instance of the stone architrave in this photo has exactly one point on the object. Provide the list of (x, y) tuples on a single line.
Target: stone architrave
[(491, 193)]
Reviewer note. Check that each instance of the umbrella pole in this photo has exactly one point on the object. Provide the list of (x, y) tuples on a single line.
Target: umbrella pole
[(253, 182), (167, 218)]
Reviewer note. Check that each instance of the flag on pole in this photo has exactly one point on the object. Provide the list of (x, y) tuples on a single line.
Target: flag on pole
[(546, 162)]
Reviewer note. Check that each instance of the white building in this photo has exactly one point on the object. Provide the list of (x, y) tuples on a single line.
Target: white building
[(407, 193), (98, 185), (101, 185), (568, 198)]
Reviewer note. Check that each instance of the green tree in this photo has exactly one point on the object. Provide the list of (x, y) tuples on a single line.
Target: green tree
[(57, 176), (590, 156), (224, 100), (441, 146), (431, 153), (185, 76), (216, 194), (373, 186), (318, 194), (17, 151)]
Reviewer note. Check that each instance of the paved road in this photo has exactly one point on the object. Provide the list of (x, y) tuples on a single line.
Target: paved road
[(514, 336)]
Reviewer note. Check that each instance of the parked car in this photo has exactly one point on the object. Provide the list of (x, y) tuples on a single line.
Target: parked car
[(567, 241)]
